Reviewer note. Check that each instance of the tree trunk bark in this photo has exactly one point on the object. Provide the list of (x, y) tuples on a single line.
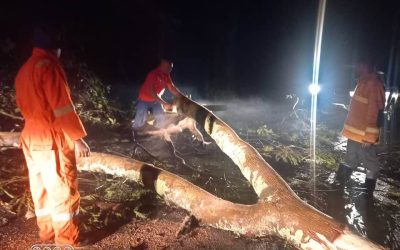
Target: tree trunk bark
[(279, 210)]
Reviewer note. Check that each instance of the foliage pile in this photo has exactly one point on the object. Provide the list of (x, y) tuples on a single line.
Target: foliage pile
[(288, 141), (113, 201), (8, 70), (14, 185), (90, 94), (9, 113)]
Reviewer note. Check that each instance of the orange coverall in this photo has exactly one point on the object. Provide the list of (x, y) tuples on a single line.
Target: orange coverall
[(361, 124), (47, 140)]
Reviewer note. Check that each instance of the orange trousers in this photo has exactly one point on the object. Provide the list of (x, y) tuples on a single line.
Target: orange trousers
[(54, 187)]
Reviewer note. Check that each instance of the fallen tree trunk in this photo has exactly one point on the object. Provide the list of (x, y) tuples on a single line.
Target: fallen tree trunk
[(278, 212), (9, 139), (289, 216)]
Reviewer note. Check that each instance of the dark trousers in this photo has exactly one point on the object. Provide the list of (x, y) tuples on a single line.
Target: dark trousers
[(356, 154)]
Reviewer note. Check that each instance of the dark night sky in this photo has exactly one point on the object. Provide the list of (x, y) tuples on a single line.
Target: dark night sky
[(246, 47)]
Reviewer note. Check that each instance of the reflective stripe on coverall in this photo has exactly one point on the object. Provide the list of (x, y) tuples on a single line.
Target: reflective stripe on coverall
[(47, 140)]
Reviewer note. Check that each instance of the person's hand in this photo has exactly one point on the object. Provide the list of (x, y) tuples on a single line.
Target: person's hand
[(365, 144), (167, 106), (81, 148)]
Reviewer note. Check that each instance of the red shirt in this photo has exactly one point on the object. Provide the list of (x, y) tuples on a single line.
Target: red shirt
[(156, 81)]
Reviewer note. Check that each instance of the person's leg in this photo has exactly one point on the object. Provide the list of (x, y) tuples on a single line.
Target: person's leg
[(352, 158), (39, 194), (159, 115), (61, 185), (350, 163), (372, 166), (141, 114), (68, 230)]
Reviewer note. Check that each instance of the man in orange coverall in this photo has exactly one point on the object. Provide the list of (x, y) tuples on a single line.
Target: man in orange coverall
[(51, 135), (362, 127)]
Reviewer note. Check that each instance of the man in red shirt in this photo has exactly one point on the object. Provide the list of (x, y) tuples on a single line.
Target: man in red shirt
[(150, 95)]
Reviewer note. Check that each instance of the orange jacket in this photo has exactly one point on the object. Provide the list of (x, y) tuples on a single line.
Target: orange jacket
[(156, 81), (368, 100), (43, 96)]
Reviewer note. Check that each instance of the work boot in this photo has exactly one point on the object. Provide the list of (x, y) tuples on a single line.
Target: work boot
[(343, 174), (84, 243), (370, 185)]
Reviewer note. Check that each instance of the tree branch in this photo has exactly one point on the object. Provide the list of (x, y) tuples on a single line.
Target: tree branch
[(11, 116)]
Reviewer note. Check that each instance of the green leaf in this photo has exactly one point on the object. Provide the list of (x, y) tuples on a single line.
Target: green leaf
[(139, 214)]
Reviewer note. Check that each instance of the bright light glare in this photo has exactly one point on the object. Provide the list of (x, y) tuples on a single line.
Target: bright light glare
[(395, 96), (351, 93), (314, 89)]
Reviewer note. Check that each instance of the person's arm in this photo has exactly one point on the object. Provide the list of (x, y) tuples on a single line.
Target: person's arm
[(158, 97), (57, 94), (376, 102), (174, 91), (153, 79), (171, 87)]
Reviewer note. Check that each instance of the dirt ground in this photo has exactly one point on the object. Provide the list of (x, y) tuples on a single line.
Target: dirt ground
[(158, 232)]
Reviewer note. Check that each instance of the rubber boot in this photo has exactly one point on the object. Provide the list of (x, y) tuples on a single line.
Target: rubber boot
[(343, 174), (370, 185)]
